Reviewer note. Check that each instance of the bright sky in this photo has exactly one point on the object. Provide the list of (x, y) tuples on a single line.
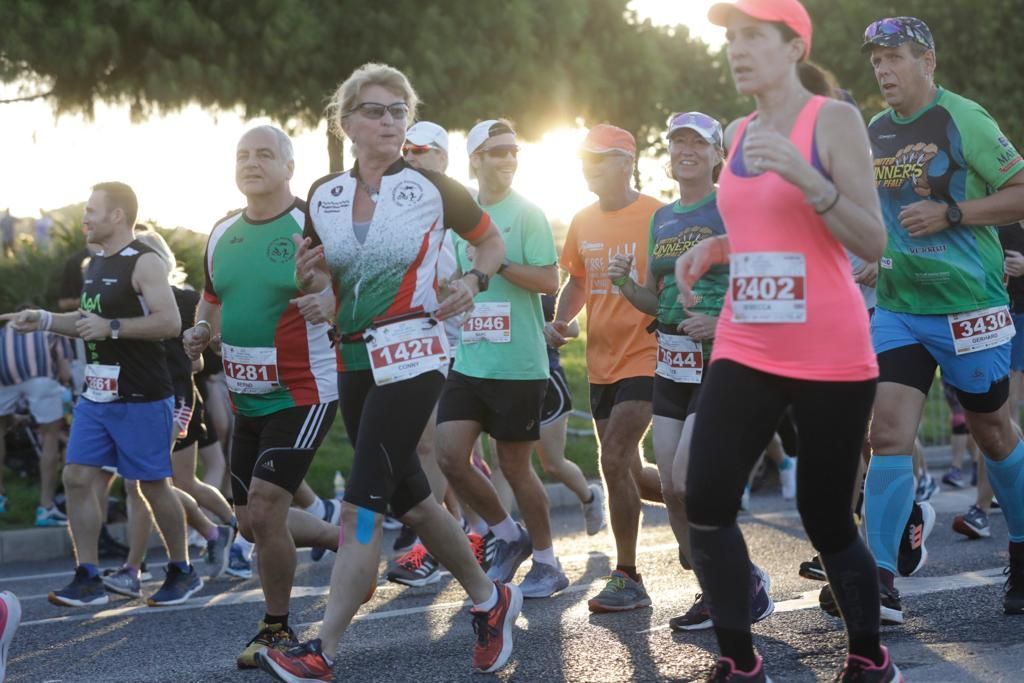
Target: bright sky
[(182, 165)]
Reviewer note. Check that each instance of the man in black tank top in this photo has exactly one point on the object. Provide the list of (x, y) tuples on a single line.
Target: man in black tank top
[(124, 418)]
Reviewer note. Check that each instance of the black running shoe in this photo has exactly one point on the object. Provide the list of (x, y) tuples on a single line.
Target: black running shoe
[(405, 541), (913, 554), (697, 618), (812, 569), (827, 602), (1013, 596), (110, 548), (891, 607)]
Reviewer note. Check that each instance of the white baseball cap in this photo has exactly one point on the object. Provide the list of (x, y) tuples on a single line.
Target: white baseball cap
[(481, 132), (427, 134)]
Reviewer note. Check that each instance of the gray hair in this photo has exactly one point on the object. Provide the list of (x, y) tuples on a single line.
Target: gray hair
[(284, 143)]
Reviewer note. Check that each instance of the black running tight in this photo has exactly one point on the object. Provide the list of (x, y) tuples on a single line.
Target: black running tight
[(738, 412)]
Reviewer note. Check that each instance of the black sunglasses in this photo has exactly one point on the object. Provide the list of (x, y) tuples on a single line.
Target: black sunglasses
[(375, 110)]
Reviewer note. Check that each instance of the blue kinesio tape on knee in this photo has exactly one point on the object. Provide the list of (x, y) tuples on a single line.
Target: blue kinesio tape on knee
[(366, 521)]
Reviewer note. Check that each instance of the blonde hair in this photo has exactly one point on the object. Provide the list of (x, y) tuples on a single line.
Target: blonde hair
[(152, 239), (371, 73)]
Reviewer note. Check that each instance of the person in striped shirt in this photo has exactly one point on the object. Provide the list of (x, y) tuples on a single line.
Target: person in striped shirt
[(32, 368)]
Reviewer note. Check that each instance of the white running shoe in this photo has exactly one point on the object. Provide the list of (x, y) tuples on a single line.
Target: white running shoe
[(593, 512)]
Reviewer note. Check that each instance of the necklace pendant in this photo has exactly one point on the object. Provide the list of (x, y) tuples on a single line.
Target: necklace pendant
[(373, 197)]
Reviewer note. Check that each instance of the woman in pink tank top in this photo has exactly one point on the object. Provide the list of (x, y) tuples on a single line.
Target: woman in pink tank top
[(796, 189)]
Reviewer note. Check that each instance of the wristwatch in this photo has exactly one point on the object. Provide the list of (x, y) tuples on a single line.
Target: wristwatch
[(482, 279), (954, 215), (504, 264), (115, 328)]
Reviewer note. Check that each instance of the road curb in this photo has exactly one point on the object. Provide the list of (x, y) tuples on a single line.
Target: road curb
[(37, 545)]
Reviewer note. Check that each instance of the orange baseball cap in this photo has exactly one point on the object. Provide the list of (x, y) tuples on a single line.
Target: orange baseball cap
[(604, 138), (788, 12)]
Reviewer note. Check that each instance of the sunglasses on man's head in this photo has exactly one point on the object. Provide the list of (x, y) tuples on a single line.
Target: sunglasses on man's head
[(375, 110), (894, 31)]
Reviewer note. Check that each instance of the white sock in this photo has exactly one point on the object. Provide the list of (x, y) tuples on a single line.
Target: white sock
[(506, 530), (546, 556), (479, 527), (317, 508), (488, 604)]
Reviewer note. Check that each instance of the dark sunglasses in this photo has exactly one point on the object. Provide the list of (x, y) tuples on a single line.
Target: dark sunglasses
[(502, 152), (375, 110)]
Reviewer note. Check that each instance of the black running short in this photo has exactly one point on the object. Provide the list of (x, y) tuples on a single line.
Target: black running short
[(674, 400), (507, 409), (558, 399), (199, 428), (384, 424), (278, 447), (604, 397)]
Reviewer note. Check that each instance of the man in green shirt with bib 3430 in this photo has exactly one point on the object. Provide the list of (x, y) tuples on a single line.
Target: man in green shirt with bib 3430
[(945, 175)]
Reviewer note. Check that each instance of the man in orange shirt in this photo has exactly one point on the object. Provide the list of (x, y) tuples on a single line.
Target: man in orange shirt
[(621, 353)]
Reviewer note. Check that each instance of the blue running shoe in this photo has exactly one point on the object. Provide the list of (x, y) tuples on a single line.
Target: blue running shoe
[(178, 587), (761, 604), (50, 516), (83, 591), (122, 581), (237, 564), (926, 488), (217, 553), (508, 556)]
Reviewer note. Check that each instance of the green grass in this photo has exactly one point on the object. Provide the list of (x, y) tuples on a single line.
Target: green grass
[(22, 499)]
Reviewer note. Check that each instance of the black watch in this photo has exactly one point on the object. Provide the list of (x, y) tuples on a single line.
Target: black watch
[(504, 264), (482, 279), (115, 329), (954, 215)]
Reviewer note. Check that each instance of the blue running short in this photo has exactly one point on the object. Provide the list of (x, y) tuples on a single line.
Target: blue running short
[(974, 373), (1017, 344), (133, 437)]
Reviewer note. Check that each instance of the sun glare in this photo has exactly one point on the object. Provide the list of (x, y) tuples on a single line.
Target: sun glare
[(182, 164)]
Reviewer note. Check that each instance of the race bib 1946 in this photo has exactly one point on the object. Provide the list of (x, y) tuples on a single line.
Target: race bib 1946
[(490, 321)]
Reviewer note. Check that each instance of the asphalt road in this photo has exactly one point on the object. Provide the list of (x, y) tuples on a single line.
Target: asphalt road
[(955, 629)]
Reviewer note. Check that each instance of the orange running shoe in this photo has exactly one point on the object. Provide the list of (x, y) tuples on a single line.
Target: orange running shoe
[(494, 629), (304, 662)]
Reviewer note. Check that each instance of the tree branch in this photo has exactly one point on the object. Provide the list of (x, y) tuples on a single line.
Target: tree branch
[(27, 98)]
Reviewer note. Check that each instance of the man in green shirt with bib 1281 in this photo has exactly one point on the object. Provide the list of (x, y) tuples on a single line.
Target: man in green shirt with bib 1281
[(280, 369)]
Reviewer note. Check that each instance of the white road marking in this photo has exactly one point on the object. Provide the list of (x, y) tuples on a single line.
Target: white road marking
[(808, 600), (906, 586)]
